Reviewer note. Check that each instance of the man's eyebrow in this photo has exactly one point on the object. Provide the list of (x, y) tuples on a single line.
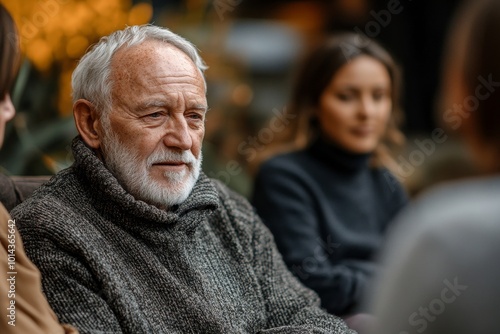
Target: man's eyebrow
[(164, 104), (151, 104), (200, 107)]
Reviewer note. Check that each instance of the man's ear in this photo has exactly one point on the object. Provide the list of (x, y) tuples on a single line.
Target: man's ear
[(87, 122)]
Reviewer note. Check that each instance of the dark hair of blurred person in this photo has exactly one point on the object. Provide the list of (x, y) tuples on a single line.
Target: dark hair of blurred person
[(10, 195), (473, 54), (9, 58), (441, 271), (328, 202), (24, 307)]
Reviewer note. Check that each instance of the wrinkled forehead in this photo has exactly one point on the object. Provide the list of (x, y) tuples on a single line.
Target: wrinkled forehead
[(149, 59)]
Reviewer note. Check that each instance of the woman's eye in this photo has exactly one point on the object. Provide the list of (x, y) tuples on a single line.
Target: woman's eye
[(345, 97), (379, 96)]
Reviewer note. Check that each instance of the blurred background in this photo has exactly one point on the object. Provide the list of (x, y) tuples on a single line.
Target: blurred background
[(252, 48)]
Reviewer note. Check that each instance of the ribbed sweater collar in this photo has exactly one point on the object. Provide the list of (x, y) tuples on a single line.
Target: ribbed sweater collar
[(339, 159), (112, 196)]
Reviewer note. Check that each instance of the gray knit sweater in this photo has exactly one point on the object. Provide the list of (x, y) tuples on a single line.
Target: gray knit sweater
[(113, 264)]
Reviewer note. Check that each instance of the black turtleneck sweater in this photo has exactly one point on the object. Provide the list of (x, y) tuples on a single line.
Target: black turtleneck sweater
[(328, 211)]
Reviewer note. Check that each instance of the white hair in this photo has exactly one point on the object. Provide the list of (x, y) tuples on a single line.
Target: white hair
[(91, 78)]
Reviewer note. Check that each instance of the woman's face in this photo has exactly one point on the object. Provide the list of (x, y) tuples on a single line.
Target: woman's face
[(7, 112), (355, 107)]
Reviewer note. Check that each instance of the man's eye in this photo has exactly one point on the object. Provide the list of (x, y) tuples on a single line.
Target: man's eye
[(196, 116), (155, 115)]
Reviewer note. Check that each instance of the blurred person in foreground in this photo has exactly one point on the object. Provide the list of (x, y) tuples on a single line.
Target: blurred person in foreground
[(133, 237), (441, 261), (10, 196), (23, 306), (329, 201)]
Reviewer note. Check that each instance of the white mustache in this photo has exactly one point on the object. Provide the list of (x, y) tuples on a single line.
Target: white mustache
[(162, 156)]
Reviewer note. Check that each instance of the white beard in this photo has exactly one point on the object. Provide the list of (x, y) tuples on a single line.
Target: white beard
[(133, 173)]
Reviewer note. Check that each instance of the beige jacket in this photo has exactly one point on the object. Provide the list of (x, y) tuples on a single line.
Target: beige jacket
[(23, 307)]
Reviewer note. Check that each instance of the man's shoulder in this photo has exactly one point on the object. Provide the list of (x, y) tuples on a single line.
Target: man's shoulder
[(234, 209), (57, 198), (230, 199)]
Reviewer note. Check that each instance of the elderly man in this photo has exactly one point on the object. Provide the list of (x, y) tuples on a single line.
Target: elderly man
[(134, 238)]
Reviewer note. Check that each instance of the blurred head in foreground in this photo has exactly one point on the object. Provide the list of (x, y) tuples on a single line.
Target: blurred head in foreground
[(440, 272), (471, 81), (9, 55)]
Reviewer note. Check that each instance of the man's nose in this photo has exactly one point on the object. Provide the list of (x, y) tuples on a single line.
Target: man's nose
[(178, 135)]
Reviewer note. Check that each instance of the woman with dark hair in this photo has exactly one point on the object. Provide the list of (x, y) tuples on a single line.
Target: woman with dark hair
[(441, 273), (329, 201), (9, 55), (10, 196), (24, 308)]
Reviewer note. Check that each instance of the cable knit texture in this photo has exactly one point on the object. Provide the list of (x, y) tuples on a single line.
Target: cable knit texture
[(113, 264)]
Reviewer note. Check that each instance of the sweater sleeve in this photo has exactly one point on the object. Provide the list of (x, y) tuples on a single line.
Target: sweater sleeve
[(71, 288), (286, 205), (291, 307)]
